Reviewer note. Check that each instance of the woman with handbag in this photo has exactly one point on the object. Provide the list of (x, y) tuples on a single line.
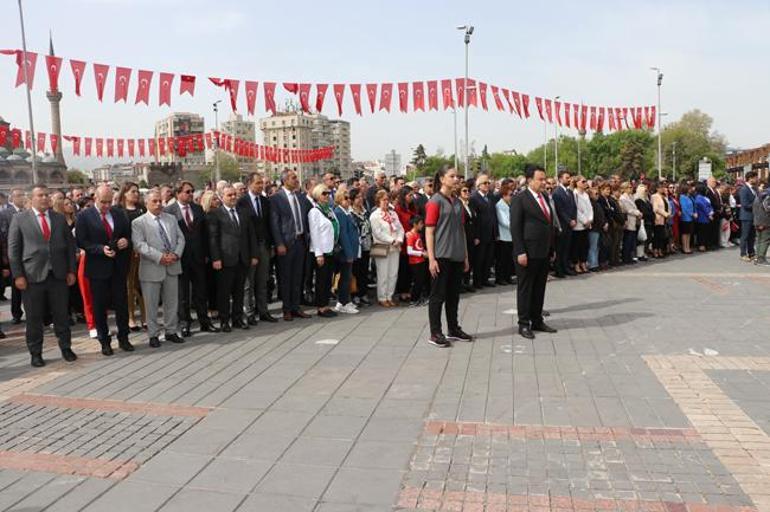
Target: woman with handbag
[(324, 236), (387, 237), (662, 212), (642, 201), (361, 264), (350, 245), (631, 226)]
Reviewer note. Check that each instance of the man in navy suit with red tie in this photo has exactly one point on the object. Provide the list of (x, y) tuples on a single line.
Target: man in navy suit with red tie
[(532, 232)]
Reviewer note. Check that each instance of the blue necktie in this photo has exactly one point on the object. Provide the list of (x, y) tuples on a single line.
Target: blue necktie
[(163, 236)]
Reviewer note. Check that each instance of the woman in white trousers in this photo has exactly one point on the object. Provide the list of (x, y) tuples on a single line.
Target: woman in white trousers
[(387, 231)]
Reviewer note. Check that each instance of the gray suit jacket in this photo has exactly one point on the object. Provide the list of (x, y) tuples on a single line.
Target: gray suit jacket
[(31, 256), (149, 245)]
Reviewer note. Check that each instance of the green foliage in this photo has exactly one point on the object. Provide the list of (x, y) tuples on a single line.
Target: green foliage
[(694, 139), (76, 176), (503, 165), (419, 157), (228, 168)]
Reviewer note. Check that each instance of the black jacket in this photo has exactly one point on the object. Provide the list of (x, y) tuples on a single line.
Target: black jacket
[(261, 224), (229, 243), (195, 248), (486, 216), (532, 232), (92, 237)]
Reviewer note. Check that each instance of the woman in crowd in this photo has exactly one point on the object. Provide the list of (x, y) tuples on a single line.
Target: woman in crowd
[(504, 259), (674, 235), (615, 222), (642, 201), (598, 229), (209, 202), (585, 216), (633, 220), (687, 216), (66, 207), (447, 258), (129, 201), (704, 215), (726, 222), (349, 242), (324, 236), (405, 209), (471, 232), (387, 237), (662, 212), (361, 264)]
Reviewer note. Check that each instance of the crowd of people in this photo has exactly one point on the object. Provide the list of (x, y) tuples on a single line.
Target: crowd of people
[(225, 252)]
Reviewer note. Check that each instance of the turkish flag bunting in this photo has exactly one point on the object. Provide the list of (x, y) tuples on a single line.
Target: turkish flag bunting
[(520, 102), (100, 75), (593, 119), (539, 103), (122, 78), (432, 95), (15, 138), (162, 146), (304, 97), (143, 89), (40, 142), (292, 87), (600, 119), (208, 140), (403, 96), (99, 147), (583, 116), (507, 96), (269, 88), (199, 141), (371, 92), (232, 87), (140, 146), (611, 118), (460, 89), (78, 70), (418, 96), (483, 95), (339, 95), (355, 90), (651, 117), (496, 96), (31, 64), (386, 91), (75, 145), (3, 135), (151, 148), (130, 143), (638, 118), (171, 143), (567, 107), (121, 143), (472, 93), (88, 144), (53, 64), (27, 140), (54, 143), (446, 91), (576, 117), (548, 109), (165, 79), (110, 147), (557, 111), (251, 95), (320, 96), (187, 84)]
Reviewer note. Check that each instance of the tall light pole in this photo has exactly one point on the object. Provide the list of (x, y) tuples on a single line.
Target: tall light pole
[(673, 157), (216, 139), (556, 146), (581, 137), (29, 98), (468, 32), (454, 116), (659, 74), (545, 145)]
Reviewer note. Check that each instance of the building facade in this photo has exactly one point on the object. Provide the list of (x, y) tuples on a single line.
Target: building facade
[(244, 130), (757, 159), (392, 163), (341, 161), (180, 124)]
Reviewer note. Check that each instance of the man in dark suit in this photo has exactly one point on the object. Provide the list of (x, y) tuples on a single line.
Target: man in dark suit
[(532, 232), (290, 231), (42, 258), (716, 203), (16, 205), (233, 250), (566, 209), (486, 222), (746, 195), (191, 218), (104, 233), (254, 206)]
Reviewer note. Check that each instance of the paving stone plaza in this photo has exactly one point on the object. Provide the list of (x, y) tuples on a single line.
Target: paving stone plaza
[(654, 396)]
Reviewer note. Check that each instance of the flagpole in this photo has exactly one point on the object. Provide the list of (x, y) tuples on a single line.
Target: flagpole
[(29, 98)]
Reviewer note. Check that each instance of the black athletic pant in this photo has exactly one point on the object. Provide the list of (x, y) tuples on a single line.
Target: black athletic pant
[(563, 248), (445, 291)]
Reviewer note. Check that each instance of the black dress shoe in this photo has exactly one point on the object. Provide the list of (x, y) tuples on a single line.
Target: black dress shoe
[(107, 348), (186, 333), (68, 355), (327, 313), (154, 342), (299, 314), (125, 345), (546, 313), (173, 338), (226, 327), (571, 272), (526, 332), (252, 320), (209, 327), (2, 335), (267, 317), (16, 321), (490, 285), (288, 317), (37, 361), (543, 327), (135, 328), (240, 324)]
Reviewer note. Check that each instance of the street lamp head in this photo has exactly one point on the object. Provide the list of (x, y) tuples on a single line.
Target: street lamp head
[(470, 30)]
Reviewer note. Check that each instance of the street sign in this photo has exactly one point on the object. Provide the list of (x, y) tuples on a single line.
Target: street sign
[(704, 169)]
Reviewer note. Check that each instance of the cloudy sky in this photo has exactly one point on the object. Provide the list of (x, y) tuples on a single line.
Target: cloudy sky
[(713, 55)]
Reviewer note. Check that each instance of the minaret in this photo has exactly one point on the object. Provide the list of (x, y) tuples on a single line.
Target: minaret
[(55, 98)]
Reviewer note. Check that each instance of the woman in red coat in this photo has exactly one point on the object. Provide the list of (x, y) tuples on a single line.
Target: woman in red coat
[(405, 209)]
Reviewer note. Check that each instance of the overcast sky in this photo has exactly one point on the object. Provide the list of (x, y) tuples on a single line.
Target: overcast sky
[(713, 55)]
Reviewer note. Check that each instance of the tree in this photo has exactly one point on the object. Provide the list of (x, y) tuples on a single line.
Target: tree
[(419, 158), (76, 176), (228, 167), (694, 140)]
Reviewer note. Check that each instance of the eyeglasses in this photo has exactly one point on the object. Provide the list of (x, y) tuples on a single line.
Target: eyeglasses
[(482, 183), (465, 191), (324, 193)]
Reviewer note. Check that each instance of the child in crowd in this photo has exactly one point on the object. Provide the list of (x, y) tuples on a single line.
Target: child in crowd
[(415, 250)]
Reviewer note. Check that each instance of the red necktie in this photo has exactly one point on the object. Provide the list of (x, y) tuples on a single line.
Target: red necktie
[(46, 228), (545, 209), (187, 218), (107, 226)]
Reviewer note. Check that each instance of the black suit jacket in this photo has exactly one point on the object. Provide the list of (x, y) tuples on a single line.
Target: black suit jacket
[(531, 231), (92, 237), (229, 243), (195, 246), (282, 221), (260, 223), (566, 208), (486, 216)]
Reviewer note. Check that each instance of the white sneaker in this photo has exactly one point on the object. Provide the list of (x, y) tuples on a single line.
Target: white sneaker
[(349, 308), (93, 334)]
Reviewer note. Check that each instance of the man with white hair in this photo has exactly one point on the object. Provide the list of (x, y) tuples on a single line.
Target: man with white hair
[(221, 184)]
